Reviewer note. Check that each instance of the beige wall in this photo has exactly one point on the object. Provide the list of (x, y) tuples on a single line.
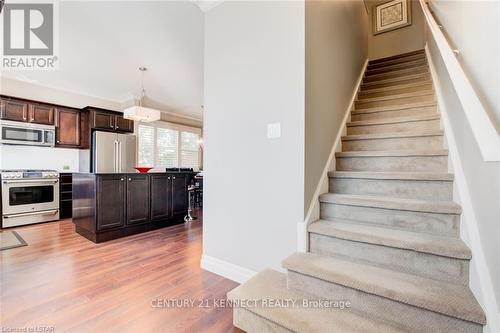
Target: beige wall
[(398, 41), (480, 56), (336, 49)]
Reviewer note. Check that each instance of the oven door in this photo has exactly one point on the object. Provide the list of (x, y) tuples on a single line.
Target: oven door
[(25, 196)]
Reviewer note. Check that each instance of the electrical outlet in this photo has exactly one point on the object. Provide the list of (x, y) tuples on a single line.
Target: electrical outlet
[(274, 130), (66, 167)]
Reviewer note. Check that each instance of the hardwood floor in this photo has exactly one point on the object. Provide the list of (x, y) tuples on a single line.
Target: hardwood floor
[(64, 281)]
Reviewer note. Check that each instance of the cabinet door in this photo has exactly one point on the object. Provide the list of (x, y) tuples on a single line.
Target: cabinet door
[(41, 114), (179, 194), (137, 199), (67, 127), (11, 109), (111, 193), (161, 197), (124, 125), (103, 120)]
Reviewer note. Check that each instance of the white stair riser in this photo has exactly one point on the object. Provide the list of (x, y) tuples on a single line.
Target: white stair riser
[(359, 105), (394, 82), (386, 63), (252, 323), (396, 67), (430, 125), (407, 112), (396, 74), (391, 92), (409, 189), (408, 143), (393, 163), (412, 318), (434, 223), (441, 268)]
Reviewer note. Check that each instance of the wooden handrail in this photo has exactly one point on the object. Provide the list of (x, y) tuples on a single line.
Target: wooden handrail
[(487, 137)]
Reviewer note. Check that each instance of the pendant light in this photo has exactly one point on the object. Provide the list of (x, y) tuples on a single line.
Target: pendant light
[(139, 112)]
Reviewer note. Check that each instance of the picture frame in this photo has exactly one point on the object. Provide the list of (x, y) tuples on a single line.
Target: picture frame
[(391, 15)]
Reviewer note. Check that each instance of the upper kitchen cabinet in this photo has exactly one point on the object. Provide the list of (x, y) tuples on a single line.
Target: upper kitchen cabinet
[(13, 109), (26, 111), (109, 121), (68, 125), (41, 114)]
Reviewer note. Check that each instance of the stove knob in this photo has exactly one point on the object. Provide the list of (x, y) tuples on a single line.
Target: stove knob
[(18, 175)]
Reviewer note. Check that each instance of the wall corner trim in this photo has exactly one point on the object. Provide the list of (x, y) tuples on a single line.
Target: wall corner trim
[(482, 273), (226, 269), (302, 226), (207, 5)]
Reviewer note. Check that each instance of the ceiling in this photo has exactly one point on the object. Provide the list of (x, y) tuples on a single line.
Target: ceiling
[(102, 45)]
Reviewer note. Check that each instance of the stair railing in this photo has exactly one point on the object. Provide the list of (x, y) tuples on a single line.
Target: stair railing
[(485, 133)]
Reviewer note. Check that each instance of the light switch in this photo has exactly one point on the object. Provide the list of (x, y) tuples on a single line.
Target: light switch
[(274, 130)]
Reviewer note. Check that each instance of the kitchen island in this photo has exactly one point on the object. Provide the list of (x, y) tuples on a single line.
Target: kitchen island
[(112, 205)]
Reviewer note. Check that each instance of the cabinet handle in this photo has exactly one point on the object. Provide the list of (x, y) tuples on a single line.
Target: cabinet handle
[(168, 178), (129, 179), (58, 141), (121, 179), (173, 177)]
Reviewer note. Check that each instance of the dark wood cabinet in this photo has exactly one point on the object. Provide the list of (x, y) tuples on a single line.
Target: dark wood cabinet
[(179, 194), (138, 199), (41, 114), (65, 195), (161, 197), (103, 120), (124, 125), (13, 109), (68, 122), (109, 206), (111, 194)]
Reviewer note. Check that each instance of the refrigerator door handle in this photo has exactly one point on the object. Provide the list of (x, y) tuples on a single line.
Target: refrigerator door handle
[(119, 156), (115, 156)]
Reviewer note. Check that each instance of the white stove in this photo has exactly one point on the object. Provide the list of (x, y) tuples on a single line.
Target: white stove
[(29, 196)]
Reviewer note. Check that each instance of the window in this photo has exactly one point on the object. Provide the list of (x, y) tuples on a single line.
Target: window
[(164, 145)]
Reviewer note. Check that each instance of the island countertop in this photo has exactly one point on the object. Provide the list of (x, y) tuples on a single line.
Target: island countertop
[(113, 205)]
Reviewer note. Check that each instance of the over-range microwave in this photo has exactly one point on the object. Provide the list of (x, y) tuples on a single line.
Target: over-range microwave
[(18, 133)]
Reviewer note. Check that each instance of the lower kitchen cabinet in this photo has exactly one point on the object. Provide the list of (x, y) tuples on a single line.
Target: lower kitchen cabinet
[(110, 199), (138, 199), (109, 206)]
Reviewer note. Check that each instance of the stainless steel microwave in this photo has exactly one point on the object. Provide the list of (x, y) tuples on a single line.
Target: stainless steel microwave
[(18, 133)]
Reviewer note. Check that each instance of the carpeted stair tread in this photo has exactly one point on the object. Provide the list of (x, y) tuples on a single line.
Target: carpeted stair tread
[(392, 175), (380, 235), (428, 206), (394, 107), (271, 285), (400, 153), (387, 121), (450, 299), (392, 135)]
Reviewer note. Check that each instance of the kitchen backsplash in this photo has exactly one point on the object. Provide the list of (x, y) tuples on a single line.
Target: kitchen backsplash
[(28, 157)]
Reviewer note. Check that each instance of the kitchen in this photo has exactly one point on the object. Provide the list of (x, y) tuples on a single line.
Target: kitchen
[(106, 149)]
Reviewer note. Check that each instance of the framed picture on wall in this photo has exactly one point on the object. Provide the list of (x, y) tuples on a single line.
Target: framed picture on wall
[(391, 15)]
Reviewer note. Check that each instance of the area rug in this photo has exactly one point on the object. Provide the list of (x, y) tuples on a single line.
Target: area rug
[(10, 240)]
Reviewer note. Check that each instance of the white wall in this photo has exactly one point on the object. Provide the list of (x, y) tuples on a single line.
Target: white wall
[(254, 75), (27, 157), (473, 27), (336, 50), (483, 182)]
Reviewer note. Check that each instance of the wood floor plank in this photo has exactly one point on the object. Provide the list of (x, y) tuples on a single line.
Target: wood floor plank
[(63, 280)]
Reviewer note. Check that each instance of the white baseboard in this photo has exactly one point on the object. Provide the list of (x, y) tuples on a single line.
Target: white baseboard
[(226, 269), (312, 212), (472, 237)]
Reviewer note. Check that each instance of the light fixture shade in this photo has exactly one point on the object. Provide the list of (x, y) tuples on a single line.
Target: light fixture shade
[(140, 113)]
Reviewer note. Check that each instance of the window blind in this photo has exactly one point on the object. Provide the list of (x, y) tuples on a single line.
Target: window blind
[(145, 137), (167, 148), (189, 150)]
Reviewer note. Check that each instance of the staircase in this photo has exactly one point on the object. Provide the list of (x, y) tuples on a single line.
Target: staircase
[(388, 238)]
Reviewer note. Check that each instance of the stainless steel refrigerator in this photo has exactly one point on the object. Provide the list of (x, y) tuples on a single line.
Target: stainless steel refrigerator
[(113, 152)]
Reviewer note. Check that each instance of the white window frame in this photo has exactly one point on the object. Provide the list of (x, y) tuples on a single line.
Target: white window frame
[(167, 125)]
